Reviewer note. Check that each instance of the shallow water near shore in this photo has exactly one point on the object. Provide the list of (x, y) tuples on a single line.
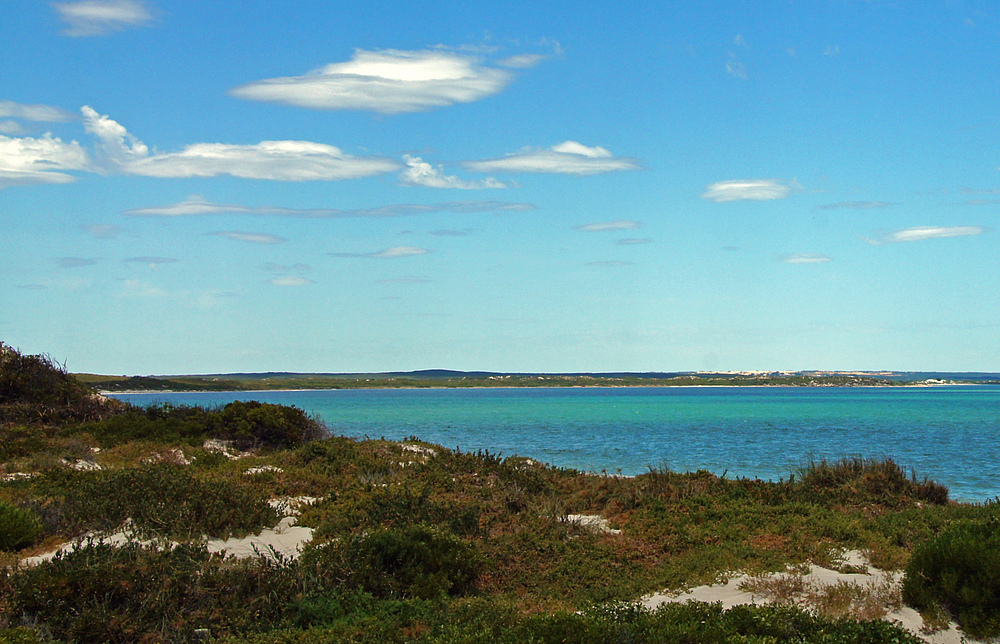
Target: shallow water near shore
[(949, 434)]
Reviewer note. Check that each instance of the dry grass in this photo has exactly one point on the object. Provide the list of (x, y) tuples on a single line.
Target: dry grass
[(844, 599)]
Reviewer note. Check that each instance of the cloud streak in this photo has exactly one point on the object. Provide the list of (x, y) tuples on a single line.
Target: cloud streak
[(569, 157), (102, 17), (388, 81), (388, 253), (42, 113), (921, 233), (252, 238), (601, 226), (269, 160), (195, 206), (805, 258), (749, 190)]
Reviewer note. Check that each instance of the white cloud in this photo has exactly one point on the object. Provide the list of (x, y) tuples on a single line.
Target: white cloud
[(44, 113), (420, 173), (270, 160), (388, 81), (749, 189), (25, 161), (920, 233), (198, 206), (634, 241), (388, 253), (601, 226), (102, 17), (568, 157), (805, 258), (253, 238), (289, 280), (12, 127)]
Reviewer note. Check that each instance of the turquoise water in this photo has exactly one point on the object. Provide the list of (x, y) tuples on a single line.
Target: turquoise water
[(950, 434)]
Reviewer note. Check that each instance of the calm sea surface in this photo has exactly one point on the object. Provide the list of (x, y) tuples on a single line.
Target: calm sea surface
[(949, 434)]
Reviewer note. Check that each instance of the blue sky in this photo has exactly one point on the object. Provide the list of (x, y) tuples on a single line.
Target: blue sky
[(192, 187)]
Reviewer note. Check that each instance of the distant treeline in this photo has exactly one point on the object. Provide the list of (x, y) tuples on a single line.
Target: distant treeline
[(250, 382)]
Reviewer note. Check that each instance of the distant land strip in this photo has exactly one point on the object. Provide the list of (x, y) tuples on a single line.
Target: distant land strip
[(442, 378)]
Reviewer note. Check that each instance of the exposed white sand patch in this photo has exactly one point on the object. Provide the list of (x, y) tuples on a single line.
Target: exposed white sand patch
[(814, 581), (593, 522), (175, 456), (16, 476), (285, 539), (225, 448), (262, 469)]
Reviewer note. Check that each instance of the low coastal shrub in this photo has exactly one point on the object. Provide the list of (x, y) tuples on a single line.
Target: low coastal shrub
[(102, 593), (408, 562), (253, 424), (166, 499), (881, 479), (19, 527), (957, 574)]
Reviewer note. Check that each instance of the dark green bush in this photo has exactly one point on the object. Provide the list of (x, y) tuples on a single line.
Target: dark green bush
[(395, 506), (254, 424), (957, 574), (19, 527), (413, 561), (167, 499)]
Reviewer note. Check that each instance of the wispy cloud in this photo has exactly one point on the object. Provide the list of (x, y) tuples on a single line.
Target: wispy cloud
[(420, 173), (387, 81), (749, 190), (920, 233), (805, 258), (289, 280), (76, 262), (138, 288), (979, 191), (198, 206), (102, 231), (634, 241), (253, 238), (152, 262), (102, 17), (568, 157), (26, 161), (388, 253), (832, 50), (523, 61), (43, 113), (857, 205), (736, 69), (271, 160), (600, 226)]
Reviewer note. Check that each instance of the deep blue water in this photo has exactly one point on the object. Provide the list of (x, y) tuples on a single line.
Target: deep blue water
[(949, 434)]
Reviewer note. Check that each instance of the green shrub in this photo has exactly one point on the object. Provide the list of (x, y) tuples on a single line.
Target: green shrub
[(19, 527), (254, 424), (103, 593), (957, 573), (395, 506), (167, 499), (880, 480), (413, 561)]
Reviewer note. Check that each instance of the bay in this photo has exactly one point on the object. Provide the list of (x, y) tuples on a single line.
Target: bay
[(949, 434)]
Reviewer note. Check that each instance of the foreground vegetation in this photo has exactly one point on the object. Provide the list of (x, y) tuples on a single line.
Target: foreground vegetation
[(417, 543)]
